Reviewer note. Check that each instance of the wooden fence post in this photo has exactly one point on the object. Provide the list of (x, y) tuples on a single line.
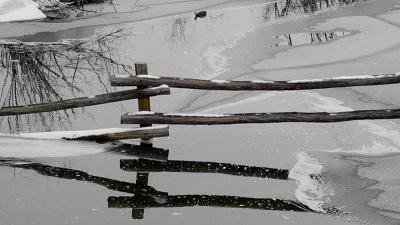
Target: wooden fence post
[(143, 105)]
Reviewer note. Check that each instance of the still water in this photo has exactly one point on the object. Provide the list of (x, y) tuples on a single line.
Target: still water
[(240, 174)]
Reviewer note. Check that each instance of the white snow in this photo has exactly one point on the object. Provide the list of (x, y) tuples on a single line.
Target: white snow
[(121, 76), (47, 3), (373, 35), (310, 192), (140, 113), (391, 134), (391, 16), (56, 135), (148, 76), (19, 10), (49, 144), (220, 81), (345, 78), (149, 141), (159, 87), (216, 60), (262, 81), (92, 96), (196, 115), (150, 128), (33, 148)]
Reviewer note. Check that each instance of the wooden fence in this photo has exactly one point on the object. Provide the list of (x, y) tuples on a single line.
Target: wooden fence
[(148, 117), (156, 160), (151, 159)]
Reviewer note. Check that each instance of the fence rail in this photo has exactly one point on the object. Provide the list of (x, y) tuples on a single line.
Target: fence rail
[(85, 101), (255, 85), (245, 118), (134, 133)]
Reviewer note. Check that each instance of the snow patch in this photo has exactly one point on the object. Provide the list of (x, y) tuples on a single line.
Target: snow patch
[(220, 81), (49, 144), (56, 135), (195, 115), (149, 141), (374, 33), (159, 87), (310, 191), (34, 148), (345, 78), (148, 76), (19, 10), (122, 76), (262, 82), (140, 113)]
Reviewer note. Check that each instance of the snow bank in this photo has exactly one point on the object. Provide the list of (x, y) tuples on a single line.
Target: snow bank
[(34, 148), (310, 191), (57, 135), (47, 3), (64, 134), (49, 144), (19, 10)]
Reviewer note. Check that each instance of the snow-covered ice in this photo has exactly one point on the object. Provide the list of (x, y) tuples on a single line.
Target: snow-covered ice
[(50, 144), (19, 10), (309, 191), (370, 32), (35, 148)]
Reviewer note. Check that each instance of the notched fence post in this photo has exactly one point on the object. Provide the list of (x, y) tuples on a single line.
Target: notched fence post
[(143, 105)]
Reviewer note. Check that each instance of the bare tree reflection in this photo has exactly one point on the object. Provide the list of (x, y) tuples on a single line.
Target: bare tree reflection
[(178, 29), (314, 38), (283, 8), (43, 72)]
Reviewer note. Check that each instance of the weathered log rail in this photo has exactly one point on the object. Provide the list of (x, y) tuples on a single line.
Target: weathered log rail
[(85, 101), (138, 133), (256, 85), (245, 118)]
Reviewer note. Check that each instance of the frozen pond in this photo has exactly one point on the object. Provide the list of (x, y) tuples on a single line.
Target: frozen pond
[(340, 173)]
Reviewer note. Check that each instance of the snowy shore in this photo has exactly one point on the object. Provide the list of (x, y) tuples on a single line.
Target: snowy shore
[(19, 10)]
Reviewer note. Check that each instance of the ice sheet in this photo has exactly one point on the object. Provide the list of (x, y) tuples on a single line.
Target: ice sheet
[(374, 36), (19, 10)]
